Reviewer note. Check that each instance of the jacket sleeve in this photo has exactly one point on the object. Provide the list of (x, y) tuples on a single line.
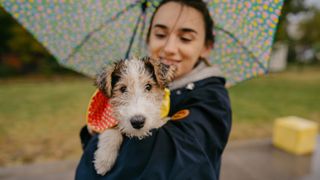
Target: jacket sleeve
[(209, 119), (85, 137)]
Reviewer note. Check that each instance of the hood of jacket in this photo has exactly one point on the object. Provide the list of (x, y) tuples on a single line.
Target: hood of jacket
[(201, 71)]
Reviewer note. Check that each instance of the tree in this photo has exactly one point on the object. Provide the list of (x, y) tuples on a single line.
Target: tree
[(289, 7), (311, 34), (308, 27), (20, 52)]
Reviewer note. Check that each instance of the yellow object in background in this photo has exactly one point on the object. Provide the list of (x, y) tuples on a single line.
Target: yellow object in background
[(165, 107), (295, 135)]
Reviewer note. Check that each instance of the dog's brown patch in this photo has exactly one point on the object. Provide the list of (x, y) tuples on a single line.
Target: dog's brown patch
[(163, 73), (108, 77)]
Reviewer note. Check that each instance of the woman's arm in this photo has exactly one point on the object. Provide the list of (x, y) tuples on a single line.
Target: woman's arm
[(186, 148), (85, 136), (209, 118)]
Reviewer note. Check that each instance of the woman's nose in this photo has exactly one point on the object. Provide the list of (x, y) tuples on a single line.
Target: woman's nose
[(170, 46)]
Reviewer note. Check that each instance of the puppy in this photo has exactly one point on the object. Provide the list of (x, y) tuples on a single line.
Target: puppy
[(136, 90)]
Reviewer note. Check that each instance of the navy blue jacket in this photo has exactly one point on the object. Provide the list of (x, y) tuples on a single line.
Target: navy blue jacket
[(189, 148)]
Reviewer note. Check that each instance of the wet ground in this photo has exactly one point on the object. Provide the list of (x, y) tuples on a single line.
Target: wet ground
[(245, 160), (259, 160)]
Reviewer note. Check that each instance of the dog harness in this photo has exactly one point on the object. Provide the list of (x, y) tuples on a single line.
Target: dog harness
[(99, 112)]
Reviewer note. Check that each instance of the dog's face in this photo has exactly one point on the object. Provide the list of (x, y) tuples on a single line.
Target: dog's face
[(136, 89)]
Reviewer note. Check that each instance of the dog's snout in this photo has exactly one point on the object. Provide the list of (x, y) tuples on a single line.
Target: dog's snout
[(137, 121)]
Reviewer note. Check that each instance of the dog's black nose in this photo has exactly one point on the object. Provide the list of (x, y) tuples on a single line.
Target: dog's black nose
[(137, 121)]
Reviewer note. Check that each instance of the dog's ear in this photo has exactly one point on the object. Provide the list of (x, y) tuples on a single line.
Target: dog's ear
[(107, 78), (103, 81), (163, 73)]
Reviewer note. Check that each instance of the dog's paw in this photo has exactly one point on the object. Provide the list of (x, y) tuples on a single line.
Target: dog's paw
[(103, 161), (107, 150)]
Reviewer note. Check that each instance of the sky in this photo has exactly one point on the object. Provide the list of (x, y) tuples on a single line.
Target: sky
[(313, 3)]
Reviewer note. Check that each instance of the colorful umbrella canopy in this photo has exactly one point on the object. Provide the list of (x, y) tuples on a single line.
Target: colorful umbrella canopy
[(85, 35)]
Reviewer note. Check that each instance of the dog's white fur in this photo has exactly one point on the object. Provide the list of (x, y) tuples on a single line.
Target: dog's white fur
[(108, 147), (136, 100)]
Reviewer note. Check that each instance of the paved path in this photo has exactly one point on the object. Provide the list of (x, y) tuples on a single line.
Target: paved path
[(246, 160), (259, 160), (62, 170)]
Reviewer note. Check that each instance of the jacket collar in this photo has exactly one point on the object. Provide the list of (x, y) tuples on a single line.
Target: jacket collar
[(200, 72)]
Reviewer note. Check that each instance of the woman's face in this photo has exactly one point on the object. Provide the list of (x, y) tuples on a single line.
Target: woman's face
[(177, 37)]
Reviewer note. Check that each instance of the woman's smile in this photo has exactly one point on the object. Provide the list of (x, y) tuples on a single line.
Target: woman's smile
[(168, 61), (177, 37)]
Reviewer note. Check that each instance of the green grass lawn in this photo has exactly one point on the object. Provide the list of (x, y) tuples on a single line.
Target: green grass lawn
[(40, 119), (258, 102)]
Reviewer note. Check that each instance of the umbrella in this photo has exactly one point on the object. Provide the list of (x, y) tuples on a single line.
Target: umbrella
[(85, 35)]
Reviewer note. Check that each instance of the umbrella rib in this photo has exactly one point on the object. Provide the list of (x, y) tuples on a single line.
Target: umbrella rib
[(132, 37), (88, 36), (242, 46), (142, 16), (141, 32)]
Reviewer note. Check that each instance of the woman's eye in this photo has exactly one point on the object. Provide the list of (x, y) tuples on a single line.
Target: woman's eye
[(123, 89), (148, 87), (160, 36), (185, 39)]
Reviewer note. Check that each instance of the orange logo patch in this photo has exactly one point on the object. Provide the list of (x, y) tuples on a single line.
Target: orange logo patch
[(180, 114)]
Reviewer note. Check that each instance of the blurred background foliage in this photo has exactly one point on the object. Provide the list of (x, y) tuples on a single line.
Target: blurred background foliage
[(21, 54), (298, 29)]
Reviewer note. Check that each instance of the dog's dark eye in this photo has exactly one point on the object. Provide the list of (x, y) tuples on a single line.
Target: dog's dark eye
[(123, 89), (148, 87)]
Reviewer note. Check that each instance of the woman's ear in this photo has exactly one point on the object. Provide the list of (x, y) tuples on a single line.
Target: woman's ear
[(206, 51)]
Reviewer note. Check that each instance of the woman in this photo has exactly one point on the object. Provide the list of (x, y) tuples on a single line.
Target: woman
[(190, 146)]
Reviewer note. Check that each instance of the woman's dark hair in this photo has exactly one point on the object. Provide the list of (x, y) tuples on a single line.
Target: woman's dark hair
[(202, 8)]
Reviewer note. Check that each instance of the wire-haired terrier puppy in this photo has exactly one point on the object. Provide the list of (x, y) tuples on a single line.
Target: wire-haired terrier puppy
[(136, 90)]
